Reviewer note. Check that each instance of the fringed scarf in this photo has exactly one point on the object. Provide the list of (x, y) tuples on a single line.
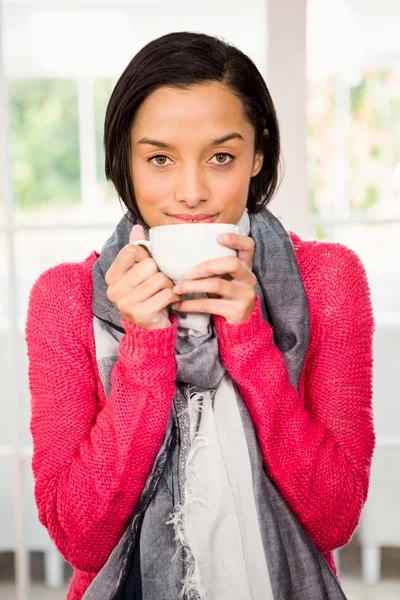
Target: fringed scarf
[(210, 523)]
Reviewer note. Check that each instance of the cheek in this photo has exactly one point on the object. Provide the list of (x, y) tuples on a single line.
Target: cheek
[(234, 186), (239, 182), (149, 190)]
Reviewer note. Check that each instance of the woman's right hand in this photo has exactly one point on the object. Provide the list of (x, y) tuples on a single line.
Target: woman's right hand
[(137, 288)]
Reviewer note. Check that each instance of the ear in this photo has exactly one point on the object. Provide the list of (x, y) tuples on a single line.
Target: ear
[(259, 158), (258, 163)]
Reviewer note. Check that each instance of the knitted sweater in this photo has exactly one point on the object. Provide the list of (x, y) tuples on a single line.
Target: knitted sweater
[(92, 456)]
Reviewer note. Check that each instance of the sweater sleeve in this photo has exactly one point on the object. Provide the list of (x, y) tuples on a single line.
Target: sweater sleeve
[(90, 464), (317, 444)]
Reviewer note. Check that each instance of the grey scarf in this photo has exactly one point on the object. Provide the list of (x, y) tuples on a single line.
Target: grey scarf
[(239, 524)]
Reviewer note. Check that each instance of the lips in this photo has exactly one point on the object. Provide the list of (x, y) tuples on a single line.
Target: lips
[(188, 218)]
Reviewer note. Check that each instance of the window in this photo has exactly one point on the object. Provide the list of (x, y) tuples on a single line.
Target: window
[(354, 133)]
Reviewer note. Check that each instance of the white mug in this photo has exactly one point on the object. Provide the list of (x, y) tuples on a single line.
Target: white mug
[(178, 248)]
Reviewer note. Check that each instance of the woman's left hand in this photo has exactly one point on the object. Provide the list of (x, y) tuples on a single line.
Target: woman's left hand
[(236, 297)]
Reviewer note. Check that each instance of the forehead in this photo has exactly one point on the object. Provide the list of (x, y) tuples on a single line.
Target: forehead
[(205, 109)]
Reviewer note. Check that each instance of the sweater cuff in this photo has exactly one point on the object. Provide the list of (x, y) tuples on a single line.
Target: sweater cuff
[(149, 343), (236, 334)]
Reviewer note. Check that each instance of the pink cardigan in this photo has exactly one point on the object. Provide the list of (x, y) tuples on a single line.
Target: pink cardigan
[(92, 457)]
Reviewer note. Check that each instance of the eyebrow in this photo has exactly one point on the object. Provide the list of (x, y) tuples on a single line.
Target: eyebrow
[(230, 136)]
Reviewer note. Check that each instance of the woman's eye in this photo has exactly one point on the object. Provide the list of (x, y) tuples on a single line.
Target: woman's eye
[(160, 160), (223, 158)]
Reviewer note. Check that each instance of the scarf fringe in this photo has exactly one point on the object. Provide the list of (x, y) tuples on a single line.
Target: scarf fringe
[(194, 492)]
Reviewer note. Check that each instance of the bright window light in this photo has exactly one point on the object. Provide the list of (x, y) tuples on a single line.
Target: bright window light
[(335, 44), (71, 43)]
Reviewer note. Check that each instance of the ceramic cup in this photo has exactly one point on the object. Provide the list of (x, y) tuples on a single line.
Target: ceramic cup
[(177, 248)]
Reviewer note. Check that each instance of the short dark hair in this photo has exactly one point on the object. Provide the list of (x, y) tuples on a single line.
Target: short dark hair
[(181, 60)]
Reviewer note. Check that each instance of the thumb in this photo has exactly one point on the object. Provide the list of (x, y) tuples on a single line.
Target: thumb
[(137, 233), (246, 257)]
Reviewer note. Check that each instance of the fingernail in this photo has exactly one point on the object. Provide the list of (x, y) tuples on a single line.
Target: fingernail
[(223, 237), (190, 273), (135, 226), (176, 289)]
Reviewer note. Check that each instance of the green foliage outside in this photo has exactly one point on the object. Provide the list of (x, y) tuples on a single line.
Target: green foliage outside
[(374, 142), (45, 142)]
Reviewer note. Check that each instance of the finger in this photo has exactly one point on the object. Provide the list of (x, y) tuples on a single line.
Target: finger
[(235, 312), (220, 307), (126, 258), (133, 278), (152, 286), (144, 310), (137, 233), (220, 266), (243, 244), (160, 301), (211, 285)]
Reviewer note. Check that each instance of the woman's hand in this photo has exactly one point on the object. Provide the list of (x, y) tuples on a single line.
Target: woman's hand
[(236, 297), (137, 288)]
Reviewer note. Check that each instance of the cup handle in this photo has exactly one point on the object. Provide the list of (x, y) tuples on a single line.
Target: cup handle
[(144, 243)]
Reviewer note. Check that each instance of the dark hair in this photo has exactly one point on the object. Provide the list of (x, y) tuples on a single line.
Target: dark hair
[(181, 60)]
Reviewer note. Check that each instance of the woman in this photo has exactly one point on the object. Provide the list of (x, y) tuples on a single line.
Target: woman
[(228, 461)]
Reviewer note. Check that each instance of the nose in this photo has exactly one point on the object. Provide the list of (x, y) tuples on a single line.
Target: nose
[(191, 187)]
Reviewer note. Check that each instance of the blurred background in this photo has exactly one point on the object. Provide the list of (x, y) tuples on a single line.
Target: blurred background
[(333, 69)]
